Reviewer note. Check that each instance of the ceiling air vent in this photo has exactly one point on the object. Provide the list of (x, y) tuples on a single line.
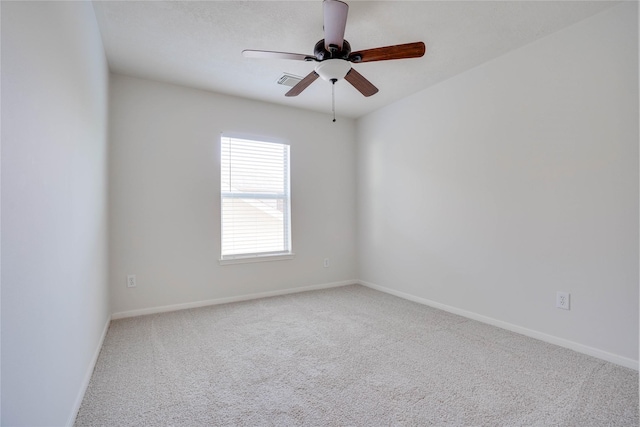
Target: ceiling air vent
[(288, 80)]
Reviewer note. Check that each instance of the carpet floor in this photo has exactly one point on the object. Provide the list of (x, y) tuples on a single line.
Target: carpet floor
[(344, 356)]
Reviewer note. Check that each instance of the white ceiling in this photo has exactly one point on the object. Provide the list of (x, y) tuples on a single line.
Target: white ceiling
[(199, 43)]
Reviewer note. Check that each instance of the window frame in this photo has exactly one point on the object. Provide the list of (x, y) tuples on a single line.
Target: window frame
[(251, 257)]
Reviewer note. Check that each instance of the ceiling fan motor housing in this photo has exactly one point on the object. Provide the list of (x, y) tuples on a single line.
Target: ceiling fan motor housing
[(321, 53)]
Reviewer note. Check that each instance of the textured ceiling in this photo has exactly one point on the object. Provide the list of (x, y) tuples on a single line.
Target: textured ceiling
[(199, 43)]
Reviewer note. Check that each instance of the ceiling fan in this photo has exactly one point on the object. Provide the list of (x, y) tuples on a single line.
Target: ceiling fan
[(334, 56)]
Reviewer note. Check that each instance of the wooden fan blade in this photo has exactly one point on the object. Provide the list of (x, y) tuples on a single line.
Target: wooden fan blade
[(302, 84), (399, 51), (266, 54), (335, 21), (358, 81)]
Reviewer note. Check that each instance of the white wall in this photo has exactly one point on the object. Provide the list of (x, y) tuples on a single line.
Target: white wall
[(165, 195), (54, 216), (493, 190)]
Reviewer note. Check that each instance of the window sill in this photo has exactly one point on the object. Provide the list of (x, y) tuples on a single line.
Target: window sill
[(256, 258)]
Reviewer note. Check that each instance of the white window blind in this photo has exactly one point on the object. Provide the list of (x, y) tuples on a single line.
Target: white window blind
[(255, 198)]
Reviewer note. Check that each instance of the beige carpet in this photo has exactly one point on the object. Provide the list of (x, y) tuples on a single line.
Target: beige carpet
[(344, 356)]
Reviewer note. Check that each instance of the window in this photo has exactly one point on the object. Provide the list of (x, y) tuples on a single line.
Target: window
[(255, 205)]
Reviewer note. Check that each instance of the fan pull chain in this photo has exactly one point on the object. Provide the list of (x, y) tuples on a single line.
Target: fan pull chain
[(333, 98)]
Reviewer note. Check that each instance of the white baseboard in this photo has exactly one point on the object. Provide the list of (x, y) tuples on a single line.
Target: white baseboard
[(87, 376), (175, 307), (580, 348)]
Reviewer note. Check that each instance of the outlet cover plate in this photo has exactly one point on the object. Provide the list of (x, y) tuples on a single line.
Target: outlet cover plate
[(131, 281), (563, 300)]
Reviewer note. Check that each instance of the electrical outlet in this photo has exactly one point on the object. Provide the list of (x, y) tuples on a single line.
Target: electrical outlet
[(131, 281), (326, 263), (562, 300)]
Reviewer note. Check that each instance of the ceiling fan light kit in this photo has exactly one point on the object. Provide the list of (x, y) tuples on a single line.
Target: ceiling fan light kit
[(333, 69), (334, 56)]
